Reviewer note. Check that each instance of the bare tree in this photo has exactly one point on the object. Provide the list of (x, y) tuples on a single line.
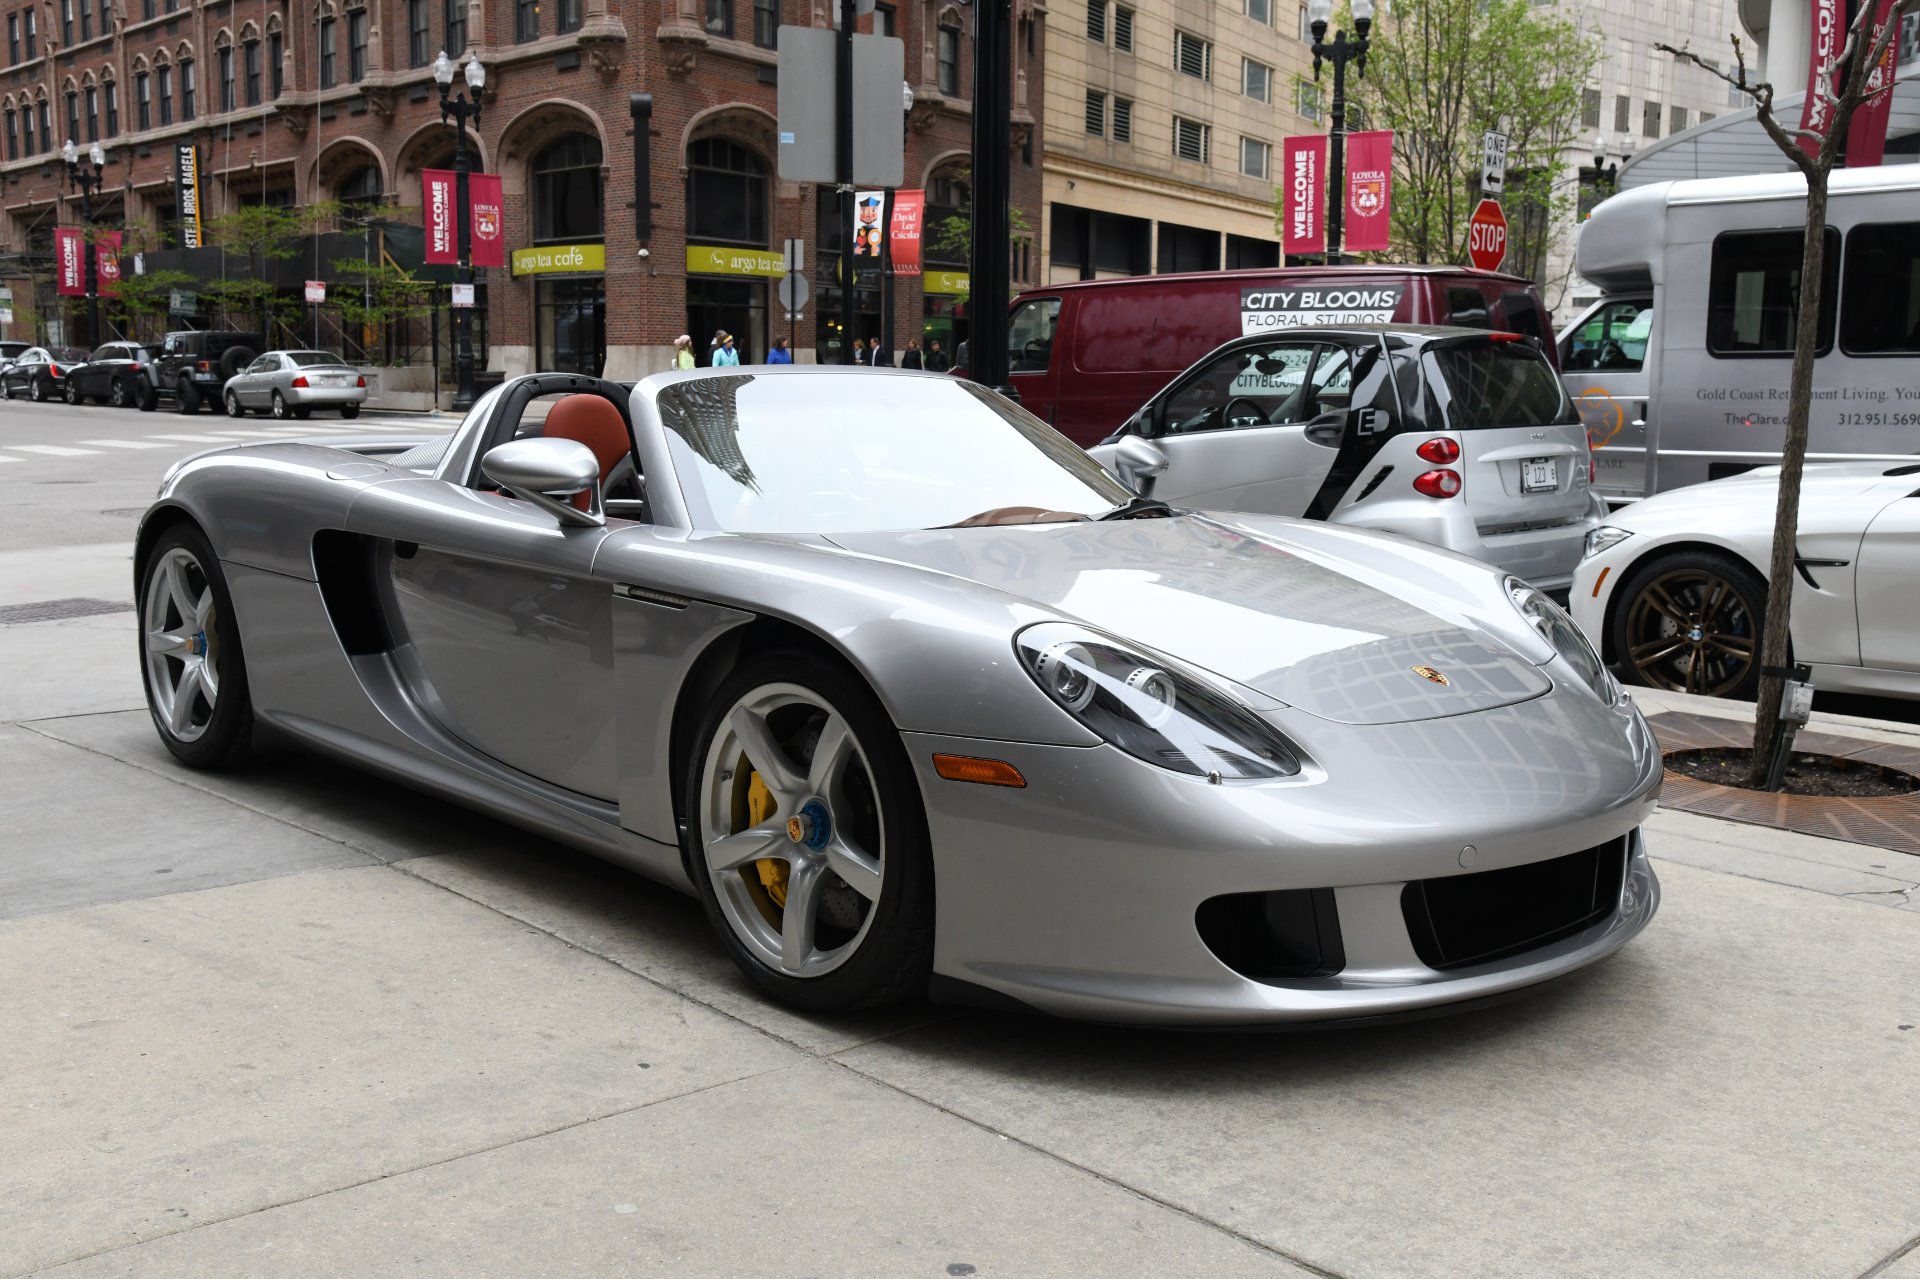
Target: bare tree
[(1842, 93)]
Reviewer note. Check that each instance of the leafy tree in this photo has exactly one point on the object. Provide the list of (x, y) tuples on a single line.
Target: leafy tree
[(1853, 82), (139, 306), (1442, 72), (954, 233), (263, 234), (374, 297)]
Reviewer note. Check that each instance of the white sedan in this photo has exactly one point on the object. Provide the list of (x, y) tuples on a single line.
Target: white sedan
[(294, 384), (1673, 588)]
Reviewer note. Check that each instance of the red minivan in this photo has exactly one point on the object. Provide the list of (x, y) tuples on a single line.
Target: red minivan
[(1086, 356)]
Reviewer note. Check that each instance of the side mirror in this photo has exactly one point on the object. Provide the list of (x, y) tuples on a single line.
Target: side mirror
[(1139, 463), (546, 473)]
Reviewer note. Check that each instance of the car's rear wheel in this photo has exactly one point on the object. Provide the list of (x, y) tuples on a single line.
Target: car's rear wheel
[(186, 397), (146, 394), (349, 411), (302, 412), (280, 410), (190, 656), (1690, 623), (117, 393), (40, 390), (807, 839)]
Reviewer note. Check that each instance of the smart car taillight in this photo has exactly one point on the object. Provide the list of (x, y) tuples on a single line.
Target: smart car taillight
[(1437, 483), (1439, 450), (301, 381)]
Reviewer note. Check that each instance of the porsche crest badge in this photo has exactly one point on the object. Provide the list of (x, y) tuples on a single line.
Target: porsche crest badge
[(1431, 675)]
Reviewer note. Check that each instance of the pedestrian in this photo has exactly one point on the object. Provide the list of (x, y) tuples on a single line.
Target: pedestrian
[(724, 356), (960, 355), (780, 354), (683, 352), (936, 360), (878, 358), (910, 358)]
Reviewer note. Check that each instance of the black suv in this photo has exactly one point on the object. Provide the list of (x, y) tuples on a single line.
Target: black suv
[(192, 367)]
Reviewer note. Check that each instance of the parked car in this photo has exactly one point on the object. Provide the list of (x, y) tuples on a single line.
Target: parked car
[(41, 372), (193, 367), (1457, 437), (1174, 768), (294, 384), (1084, 356), (1674, 587), (111, 375)]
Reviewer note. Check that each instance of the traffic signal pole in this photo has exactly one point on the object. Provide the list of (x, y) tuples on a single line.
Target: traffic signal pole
[(991, 253)]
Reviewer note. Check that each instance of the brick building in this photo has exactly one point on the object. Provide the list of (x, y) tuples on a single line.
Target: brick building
[(297, 101)]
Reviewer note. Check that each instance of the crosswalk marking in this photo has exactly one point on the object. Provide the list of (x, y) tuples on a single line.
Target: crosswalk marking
[(5, 458), (248, 434), (124, 444), (52, 450), (194, 439)]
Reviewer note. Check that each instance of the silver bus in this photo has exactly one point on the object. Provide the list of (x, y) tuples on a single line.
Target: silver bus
[(1681, 368)]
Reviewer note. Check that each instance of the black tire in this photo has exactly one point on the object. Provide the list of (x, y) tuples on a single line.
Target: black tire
[(227, 737), (894, 957), (70, 391), (117, 393), (232, 403), (1666, 601), (234, 359), (186, 397), (218, 405), (280, 410), (40, 390), (146, 394), (302, 412), (349, 411)]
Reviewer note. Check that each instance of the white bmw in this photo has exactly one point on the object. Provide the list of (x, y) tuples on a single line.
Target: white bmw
[(1673, 588)]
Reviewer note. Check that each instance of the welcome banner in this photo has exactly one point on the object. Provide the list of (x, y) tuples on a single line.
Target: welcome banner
[(439, 198), (1303, 194), (1369, 190), (909, 209), (69, 266), (1829, 18), (436, 203)]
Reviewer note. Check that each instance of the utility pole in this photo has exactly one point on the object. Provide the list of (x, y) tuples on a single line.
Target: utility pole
[(843, 170), (990, 250)]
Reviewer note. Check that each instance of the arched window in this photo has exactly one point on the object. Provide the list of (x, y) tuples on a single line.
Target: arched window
[(947, 53), (46, 122), (567, 192), (223, 64), (189, 85), (276, 56), (250, 63), (13, 131), (111, 87), (947, 197), (726, 193), (163, 88), (361, 187)]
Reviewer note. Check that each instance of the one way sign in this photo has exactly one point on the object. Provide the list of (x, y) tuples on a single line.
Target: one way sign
[(1493, 164)]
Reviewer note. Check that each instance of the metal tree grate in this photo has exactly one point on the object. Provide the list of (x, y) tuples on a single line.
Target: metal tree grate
[(59, 610)]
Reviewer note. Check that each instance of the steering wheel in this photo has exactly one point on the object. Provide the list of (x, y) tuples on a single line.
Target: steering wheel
[(1253, 416)]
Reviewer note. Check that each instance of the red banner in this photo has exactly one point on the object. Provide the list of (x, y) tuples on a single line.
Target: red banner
[(1867, 136), (1369, 191), (70, 268), (437, 203), (489, 219), (909, 208), (1829, 35), (1303, 192), (106, 261)]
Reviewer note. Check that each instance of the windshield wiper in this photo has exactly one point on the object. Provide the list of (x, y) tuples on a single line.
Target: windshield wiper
[(1138, 508)]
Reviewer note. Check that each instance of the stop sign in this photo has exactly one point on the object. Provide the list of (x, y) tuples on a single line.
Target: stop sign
[(1487, 236)]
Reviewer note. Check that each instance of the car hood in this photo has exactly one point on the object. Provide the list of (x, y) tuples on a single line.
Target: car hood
[(1834, 496), (1279, 606)]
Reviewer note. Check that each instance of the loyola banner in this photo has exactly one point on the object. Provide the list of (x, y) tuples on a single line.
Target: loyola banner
[(106, 261), (1303, 188), (488, 220), (69, 246), (1369, 190), (1867, 135), (909, 209)]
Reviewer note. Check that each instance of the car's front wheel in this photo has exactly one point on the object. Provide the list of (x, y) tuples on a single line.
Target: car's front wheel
[(1690, 622), (233, 406), (806, 837), (190, 656), (73, 395)]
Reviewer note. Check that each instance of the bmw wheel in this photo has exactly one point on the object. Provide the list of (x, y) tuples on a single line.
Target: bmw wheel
[(1691, 623), (807, 839), (190, 657)]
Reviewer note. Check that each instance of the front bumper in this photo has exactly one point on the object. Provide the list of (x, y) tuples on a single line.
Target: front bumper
[(1078, 895)]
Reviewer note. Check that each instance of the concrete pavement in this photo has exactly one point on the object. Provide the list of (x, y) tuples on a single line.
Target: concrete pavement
[(297, 1021)]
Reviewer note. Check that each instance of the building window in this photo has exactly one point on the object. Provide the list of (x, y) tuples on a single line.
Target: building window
[(1589, 108), (13, 134), (1677, 120), (46, 126), (419, 34), (228, 98), (1306, 99), (1753, 293), (356, 45), (1261, 11), (66, 22), (93, 114), (1123, 28), (1191, 140), (1254, 156), (884, 20), (720, 18), (1192, 56), (1123, 120), (949, 60), (250, 57), (26, 113), (113, 109), (1097, 21), (13, 39), (1306, 26), (106, 17), (570, 16), (1650, 118), (1622, 113), (567, 192), (1256, 81), (163, 90), (456, 20), (726, 193), (73, 114), (329, 69), (1096, 113), (1705, 116), (526, 20), (33, 34), (276, 63), (187, 89), (142, 100), (86, 20), (1188, 248), (146, 10), (766, 23)]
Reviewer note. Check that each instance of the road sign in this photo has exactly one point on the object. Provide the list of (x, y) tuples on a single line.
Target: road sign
[(316, 290), (794, 291), (1487, 236), (463, 295), (1493, 163), (808, 107), (793, 255), (181, 302)]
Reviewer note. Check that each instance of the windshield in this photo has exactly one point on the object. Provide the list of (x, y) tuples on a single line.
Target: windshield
[(1496, 384), (848, 452), (307, 359)]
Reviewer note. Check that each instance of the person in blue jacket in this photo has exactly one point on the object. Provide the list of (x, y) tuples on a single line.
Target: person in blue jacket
[(724, 356), (780, 354)]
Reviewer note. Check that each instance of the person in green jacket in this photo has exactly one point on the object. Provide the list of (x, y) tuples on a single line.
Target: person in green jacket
[(683, 352)]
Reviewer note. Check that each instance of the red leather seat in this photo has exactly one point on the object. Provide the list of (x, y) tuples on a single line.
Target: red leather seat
[(594, 422)]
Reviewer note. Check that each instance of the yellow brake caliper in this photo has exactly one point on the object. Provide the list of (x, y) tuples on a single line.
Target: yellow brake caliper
[(773, 871)]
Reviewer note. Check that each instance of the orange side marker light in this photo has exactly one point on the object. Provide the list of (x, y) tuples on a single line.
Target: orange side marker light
[(1601, 580), (988, 772)]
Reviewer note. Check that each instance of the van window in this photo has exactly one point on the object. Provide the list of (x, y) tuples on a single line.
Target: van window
[(1030, 334), (1523, 316), (1495, 384), (1882, 290), (1468, 307), (1613, 339), (1754, 293)]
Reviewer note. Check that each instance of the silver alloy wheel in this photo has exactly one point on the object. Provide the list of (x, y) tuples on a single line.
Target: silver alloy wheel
[(233, 406), (825, 827), (182, 646), (280, 406)]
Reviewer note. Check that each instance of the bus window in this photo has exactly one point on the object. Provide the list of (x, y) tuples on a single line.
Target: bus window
[(1882, 290), (1614, 338), (1753, 294)]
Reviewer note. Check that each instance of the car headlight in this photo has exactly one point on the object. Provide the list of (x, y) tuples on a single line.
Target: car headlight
[(1149, 708), (1559, 630), (1603, 537)]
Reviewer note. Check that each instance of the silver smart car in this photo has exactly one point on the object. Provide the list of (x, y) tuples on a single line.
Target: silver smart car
[(295, 383), (1457, 437)]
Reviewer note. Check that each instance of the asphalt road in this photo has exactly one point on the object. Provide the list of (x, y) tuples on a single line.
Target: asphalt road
[(292, 1020)]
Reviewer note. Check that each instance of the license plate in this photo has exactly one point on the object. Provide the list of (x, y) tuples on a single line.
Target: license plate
[(1539, 475)]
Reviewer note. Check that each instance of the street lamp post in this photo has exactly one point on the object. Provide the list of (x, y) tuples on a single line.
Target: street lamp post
[(1340, 52), (88, 183), (460, 108)]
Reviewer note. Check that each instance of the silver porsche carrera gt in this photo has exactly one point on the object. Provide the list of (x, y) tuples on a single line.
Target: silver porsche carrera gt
[(916, 697)]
